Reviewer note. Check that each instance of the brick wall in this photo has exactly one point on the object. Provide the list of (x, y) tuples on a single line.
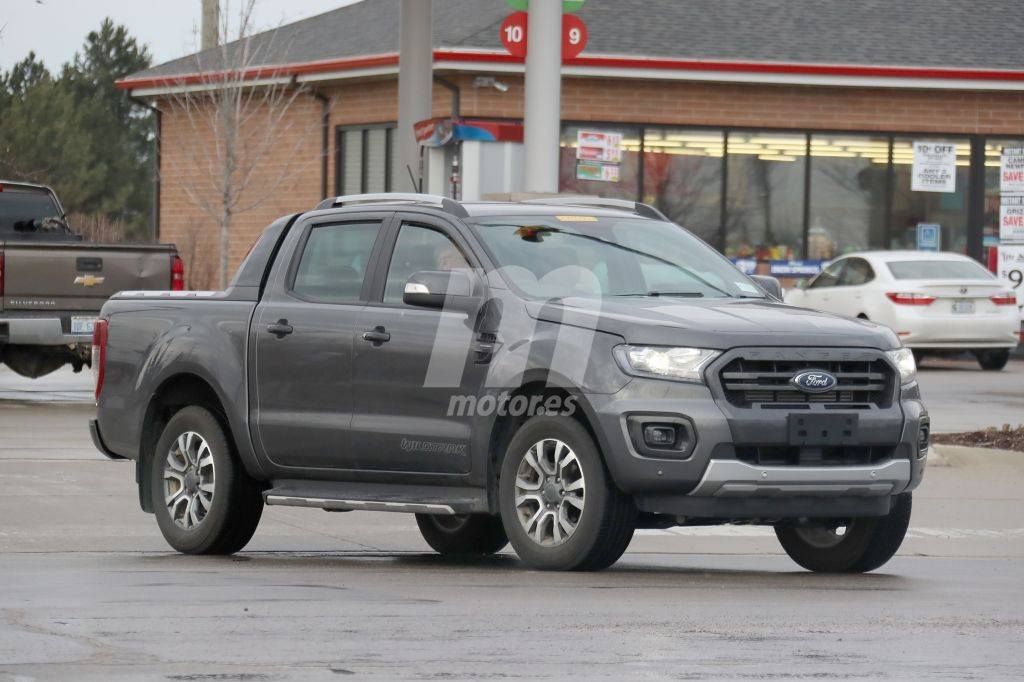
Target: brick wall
[(288, 179)]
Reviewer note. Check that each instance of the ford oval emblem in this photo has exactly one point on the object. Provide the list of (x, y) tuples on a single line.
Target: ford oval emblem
[(814, 381)]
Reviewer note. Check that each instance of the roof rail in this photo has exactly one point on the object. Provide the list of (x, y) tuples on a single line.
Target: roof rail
[(444, 203), (644, 210)]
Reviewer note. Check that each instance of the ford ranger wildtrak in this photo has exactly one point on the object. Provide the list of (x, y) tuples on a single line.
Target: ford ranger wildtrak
[(553, 373)]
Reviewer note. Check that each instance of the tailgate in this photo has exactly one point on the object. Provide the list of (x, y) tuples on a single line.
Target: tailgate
[(77, 276)]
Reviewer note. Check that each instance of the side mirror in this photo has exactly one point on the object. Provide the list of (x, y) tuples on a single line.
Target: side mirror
[(449, 289), (769, 285)]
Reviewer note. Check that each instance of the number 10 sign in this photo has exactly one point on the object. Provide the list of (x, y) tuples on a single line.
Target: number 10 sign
[(514, 38)]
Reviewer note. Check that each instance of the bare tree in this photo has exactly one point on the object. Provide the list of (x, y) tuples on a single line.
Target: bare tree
[(237, 111)]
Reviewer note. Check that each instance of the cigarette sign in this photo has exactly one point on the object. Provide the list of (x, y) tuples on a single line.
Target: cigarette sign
[(1011, 176), (595, 170), (1011, 219), (934, 167), (594, 145)]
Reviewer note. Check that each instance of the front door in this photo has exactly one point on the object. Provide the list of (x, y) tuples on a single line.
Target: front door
[(413, 362), (303, 333)]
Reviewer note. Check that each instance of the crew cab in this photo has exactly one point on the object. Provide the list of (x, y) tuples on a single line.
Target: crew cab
[(554, 373), (53, 284)]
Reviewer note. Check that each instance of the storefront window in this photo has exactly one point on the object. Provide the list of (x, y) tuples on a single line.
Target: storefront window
[(993, 155), (619, 179), (765, 195), (848, 194), (683, 178), (947, 209)]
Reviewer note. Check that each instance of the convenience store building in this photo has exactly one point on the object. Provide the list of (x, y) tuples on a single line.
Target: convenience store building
[(775, 130)]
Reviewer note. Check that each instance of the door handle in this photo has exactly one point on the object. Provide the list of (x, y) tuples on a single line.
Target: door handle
[(377, 336), (280, 329)]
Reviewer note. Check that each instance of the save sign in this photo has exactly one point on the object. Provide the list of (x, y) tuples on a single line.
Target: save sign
[(1011, 176)]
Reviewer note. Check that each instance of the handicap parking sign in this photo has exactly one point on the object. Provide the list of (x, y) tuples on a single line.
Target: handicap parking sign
[(929, 236)]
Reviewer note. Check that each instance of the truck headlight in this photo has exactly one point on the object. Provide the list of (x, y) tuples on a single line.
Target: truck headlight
[(904, 361), (660, 362)]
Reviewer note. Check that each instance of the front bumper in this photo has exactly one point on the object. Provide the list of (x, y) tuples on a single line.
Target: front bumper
[(40, 331), (712, 481)]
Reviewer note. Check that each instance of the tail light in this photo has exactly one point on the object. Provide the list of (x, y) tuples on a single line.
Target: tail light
[(1005, 298), (910, 298), (177, 274), (99, 354)]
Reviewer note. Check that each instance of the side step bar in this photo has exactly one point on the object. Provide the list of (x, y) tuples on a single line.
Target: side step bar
[(338, 496), (352, 505)]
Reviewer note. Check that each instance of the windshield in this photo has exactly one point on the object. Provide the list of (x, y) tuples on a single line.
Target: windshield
[(579, 255), (21, 208), (938, 269)]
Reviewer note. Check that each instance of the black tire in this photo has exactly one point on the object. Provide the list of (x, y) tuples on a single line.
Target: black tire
[(606, 522), (464, 534), (866, 545), (236, 503), (993, 359)]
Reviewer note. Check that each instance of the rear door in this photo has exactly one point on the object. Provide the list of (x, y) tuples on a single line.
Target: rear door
[(302, 335)]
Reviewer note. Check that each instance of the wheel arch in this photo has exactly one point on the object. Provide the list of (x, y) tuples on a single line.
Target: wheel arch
[(506, 425), (174, 393)]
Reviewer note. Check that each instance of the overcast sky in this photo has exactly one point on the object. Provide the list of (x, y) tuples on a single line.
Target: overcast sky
[(55, 29)]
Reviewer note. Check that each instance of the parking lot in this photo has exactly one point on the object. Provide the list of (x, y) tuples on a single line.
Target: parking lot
[(89, 590)]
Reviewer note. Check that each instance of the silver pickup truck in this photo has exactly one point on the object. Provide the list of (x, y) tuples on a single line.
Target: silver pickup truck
[(53, 284)]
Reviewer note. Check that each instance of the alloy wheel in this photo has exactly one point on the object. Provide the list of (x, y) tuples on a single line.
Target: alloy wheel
[(189, 480), (550, 492)]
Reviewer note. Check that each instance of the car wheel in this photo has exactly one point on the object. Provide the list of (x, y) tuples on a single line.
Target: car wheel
[(463, 534), (560, 509), (854, 546), (205, 502), (994, 359)]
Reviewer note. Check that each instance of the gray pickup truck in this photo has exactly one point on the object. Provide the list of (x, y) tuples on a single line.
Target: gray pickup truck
[(53, 284), (552, 373)]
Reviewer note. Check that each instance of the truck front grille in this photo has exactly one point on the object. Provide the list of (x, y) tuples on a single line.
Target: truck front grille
[(766, 383)]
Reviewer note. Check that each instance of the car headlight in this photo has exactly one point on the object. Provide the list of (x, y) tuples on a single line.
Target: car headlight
[(904, 361), (660, 362)]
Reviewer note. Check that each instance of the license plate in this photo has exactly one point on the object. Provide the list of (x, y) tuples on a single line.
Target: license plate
[(963, 307), (823, 429), (82, 325)]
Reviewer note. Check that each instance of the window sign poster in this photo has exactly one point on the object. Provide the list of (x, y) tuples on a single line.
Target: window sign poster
[(1011, 218), (929, 237), (1011, 269), (595, 145), (934, 167), (594, 170), (1011, 176)]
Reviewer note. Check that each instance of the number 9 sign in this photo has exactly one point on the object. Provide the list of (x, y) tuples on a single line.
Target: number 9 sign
[(574, 36)]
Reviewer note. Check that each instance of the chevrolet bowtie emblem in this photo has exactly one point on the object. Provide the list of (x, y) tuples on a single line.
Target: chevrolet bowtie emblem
[(88, 280)]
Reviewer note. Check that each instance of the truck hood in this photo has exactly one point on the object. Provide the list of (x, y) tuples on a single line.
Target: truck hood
[(713, 323)]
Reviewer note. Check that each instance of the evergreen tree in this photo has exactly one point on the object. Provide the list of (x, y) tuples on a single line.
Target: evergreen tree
[(79, 133)]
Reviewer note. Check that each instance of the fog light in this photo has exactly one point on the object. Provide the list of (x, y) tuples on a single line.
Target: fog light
[(922, 440), (659, 435)]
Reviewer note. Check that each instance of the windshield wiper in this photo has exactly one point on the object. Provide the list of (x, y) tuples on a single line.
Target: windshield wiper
[(676, 294)]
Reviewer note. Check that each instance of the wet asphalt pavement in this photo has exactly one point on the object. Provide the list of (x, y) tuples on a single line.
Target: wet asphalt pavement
[(89, 591)]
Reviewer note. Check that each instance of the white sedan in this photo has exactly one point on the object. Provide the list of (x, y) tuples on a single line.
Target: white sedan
[(935, 302)]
